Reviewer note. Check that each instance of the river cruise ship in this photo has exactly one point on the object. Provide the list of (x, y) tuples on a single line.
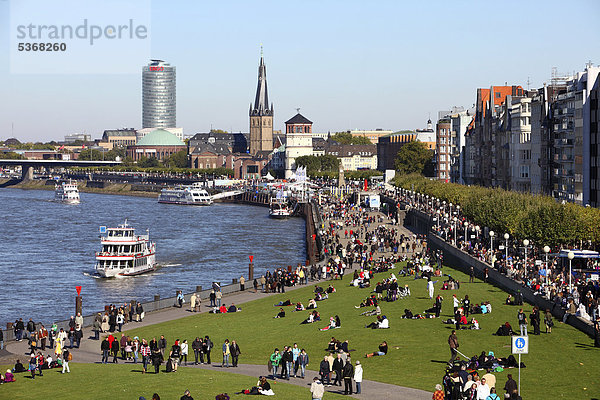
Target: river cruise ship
[(193, 195), (67, 192), (124, 253)]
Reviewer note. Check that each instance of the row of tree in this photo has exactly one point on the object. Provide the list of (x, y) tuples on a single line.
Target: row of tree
[(523, 215), (221, 171)]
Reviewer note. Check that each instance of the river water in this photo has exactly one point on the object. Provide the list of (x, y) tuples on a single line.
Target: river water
[(47, 249)]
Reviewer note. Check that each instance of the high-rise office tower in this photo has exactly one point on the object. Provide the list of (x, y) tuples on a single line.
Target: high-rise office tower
[(158, 95)]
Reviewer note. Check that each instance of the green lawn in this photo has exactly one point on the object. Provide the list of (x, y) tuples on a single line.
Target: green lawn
[(125, 381), (562, 363)]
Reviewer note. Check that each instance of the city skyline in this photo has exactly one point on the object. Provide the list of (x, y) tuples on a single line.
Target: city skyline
[(349, 66)]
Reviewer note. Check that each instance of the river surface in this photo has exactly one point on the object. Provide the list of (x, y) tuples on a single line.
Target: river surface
[(47, 249)]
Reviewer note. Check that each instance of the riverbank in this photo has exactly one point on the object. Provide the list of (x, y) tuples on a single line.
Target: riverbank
[(121, 189)]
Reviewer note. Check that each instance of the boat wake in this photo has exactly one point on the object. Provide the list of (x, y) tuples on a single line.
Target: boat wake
[(92, 275), (168, 265)]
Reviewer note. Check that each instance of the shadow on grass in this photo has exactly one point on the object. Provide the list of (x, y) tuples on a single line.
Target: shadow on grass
[(585, 346), (439, 361)]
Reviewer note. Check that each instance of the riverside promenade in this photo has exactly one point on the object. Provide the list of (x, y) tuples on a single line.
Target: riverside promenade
[(89, 352)]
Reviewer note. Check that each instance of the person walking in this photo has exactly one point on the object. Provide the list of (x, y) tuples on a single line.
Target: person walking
[(548, 321), (235, 353), (453, 343), (534, 317), (184, 351), (218, 297), (317, 389), (358, 375), (193, 302), (213, 298), (146, 353), (180, 299), (522, 318), (226, 354), (208, 345), (274, 360), (302, 362), (338, 367), (66, 357), (105, 347), (197, 347), (430, 287), (324, 370), (348, 375), (162, 345), (242, 283)]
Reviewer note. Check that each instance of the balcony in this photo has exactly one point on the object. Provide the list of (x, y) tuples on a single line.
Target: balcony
[(563, 142)]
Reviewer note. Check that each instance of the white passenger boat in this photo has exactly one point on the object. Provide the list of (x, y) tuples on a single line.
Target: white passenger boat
[(192, 195), (278, 208), (124, 253), (67, 192)]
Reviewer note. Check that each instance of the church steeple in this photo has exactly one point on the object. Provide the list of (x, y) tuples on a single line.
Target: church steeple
[(261, 101), (261, 116)]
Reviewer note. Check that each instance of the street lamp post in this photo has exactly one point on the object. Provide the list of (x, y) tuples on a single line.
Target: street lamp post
[(506, 237), (455, 219), (466, 226), (491, 244), (547, 250), (570, 256), (457, 211), (525, 244), (477, 229)]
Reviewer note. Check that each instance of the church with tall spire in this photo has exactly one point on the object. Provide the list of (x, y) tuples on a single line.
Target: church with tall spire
[(261, 115)]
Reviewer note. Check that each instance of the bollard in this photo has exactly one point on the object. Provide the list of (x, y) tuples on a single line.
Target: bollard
[(251, 271), (156, 297), (106, 308), (78, 305), (198, 288), (9, 326), (234, 280)]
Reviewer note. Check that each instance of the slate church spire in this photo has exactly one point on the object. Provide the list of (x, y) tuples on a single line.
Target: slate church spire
[(261, 115)]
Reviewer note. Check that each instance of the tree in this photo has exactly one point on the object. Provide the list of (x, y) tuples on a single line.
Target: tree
[(218, 131), (177, 160), (145, 162), (11, 155), (312, 163), (329, 163), (412, 157), (90, 155), (347, 138), (119, 151)]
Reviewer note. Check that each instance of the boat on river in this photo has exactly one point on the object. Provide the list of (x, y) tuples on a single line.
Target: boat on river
[(189, 195), (67, 192), (278, 208), (124, 253)]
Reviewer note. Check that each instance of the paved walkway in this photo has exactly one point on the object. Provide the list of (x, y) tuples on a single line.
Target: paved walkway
[(89, 352)]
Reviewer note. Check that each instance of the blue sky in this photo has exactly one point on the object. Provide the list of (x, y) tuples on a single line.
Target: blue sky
[(346, 64)]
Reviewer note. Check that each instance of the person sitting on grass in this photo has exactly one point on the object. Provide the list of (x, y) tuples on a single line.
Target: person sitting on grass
[(321, 296), (376, 311), (381, 323), (9, 377), (334, 322), (407, 314), (370, 301), (262, 387), (233, 308), (330, 289), (280, 314), (283, 303), (383, 349), (299, 307), (312, 304), (18, 367), (333, 345)]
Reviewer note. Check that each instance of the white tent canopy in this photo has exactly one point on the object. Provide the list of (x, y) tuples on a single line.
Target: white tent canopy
[(269, 176)]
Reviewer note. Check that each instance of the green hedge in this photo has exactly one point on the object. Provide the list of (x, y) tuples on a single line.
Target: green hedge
[(524, 216)]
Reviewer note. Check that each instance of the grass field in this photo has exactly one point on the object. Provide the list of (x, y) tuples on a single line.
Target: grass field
[(563, 364), (125, 381)]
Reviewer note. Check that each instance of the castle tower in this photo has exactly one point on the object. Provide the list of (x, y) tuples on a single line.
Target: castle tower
[(261, 116)]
